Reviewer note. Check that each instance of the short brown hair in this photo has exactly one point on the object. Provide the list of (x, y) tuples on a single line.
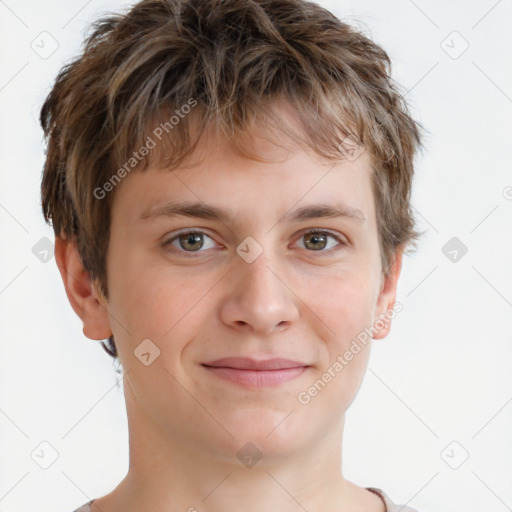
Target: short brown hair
[(233, 58)]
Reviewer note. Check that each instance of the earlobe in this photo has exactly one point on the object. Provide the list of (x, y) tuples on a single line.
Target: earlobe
[(387, 299), (81, 291)]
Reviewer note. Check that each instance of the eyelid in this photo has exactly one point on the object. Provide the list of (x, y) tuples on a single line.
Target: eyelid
[(341, 239), (186, 231)]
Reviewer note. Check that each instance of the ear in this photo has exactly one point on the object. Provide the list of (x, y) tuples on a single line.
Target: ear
[(82, 292), (387, 298)]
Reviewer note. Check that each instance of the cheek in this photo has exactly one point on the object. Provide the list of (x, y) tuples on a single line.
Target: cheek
[(162, 304), (344, 305), (343, 301)]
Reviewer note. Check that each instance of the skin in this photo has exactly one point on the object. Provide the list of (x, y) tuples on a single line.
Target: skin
[(187, 425)]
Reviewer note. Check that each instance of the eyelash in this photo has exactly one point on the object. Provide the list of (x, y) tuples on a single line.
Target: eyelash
[(314, 231)]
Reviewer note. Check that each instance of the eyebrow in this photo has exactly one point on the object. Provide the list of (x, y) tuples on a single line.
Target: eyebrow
[(209, 212)]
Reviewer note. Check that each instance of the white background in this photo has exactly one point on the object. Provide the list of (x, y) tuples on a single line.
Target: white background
[(442, 375)]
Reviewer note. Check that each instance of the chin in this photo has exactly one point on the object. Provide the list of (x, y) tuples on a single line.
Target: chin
[(265, 437)]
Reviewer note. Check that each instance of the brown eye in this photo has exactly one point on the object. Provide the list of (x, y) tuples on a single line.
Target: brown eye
[(315, 241), (190, 241), (318, 240)]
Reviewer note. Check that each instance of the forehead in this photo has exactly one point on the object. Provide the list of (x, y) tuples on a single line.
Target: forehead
[(272, 173)]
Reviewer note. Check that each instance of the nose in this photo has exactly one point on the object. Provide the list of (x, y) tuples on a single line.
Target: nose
[(258, 298)]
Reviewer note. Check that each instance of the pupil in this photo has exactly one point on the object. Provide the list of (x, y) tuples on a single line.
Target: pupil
[(315, 239), (191, 239)]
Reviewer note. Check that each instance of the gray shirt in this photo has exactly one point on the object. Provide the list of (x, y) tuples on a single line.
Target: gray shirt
[(390, 506)]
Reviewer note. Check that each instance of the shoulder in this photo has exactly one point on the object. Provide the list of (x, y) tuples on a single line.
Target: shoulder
[(84, 508), (390, 505)]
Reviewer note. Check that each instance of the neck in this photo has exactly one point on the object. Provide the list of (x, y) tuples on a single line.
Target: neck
[(169, 473)]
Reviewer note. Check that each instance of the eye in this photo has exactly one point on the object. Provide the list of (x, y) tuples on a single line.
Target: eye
[(317, 240), (192, 241), (189, 240)]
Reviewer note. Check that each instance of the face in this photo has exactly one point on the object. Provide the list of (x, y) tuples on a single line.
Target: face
[(256, 283)]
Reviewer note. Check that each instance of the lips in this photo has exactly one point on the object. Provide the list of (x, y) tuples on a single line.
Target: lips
[(251, 373), (245, 363)]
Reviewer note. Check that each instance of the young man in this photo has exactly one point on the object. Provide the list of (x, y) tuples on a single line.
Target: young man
[(229, 185)]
